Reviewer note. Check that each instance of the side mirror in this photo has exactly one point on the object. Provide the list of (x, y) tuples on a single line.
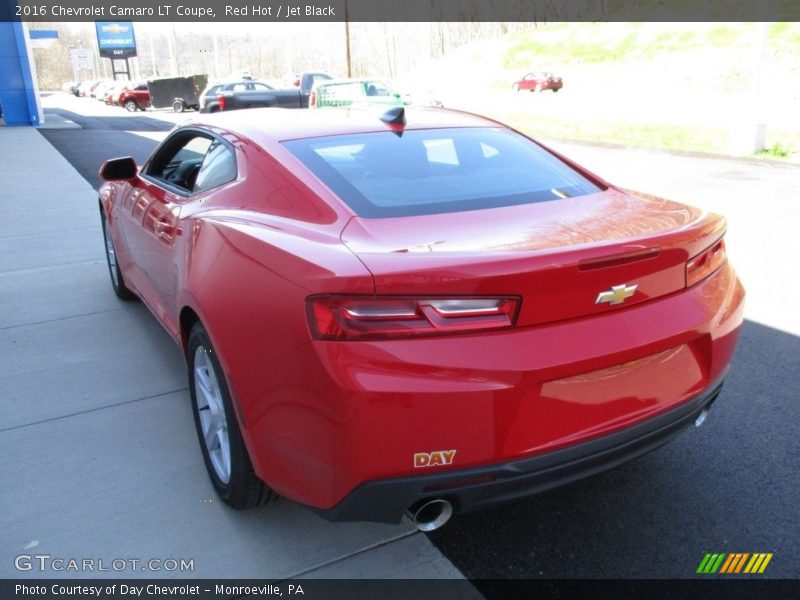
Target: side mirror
[(118, 168)]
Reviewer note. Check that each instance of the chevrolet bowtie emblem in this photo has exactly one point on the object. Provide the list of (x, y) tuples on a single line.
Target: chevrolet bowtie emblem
[(617, 295)]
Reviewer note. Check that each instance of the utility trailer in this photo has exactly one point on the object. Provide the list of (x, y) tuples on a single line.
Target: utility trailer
[(178, 93)]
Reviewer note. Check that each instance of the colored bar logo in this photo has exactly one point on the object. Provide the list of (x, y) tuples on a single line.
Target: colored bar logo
[(733, 563)]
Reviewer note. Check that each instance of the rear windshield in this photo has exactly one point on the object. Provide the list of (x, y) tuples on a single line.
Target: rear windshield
[(437, 171)]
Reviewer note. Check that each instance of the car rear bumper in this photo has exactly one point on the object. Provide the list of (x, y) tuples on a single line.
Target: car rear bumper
[(476, 488), (333, 418)]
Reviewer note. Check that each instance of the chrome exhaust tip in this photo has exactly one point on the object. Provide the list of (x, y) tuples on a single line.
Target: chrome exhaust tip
[(428, 515), (701, 418)]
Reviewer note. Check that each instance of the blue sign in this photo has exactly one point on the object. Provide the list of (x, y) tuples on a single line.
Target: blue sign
[(115, 39)]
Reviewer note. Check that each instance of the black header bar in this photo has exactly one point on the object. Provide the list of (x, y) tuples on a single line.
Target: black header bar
[(697, 588), (538, 11)]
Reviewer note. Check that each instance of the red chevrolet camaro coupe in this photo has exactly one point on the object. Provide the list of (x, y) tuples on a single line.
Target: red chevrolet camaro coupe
[(426, 311)]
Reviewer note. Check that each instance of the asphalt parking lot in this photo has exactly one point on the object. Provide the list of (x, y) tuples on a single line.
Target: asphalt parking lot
[(96, 411)]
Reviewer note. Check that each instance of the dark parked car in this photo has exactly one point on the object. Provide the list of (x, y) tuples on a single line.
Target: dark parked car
[(247, 93), (208, 97), (538, 82)]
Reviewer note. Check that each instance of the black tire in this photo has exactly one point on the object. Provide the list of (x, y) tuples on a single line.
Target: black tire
[(178, 106), (117, 280), (555, 90), (131, 106), (243, 489)]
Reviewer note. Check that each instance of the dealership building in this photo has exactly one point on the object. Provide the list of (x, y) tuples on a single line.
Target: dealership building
[(19, 97)]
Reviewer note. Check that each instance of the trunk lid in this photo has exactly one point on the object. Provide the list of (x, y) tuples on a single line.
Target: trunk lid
[(558, 256)]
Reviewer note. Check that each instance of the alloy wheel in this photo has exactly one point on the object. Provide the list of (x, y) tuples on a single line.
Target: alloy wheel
[(211, 410)]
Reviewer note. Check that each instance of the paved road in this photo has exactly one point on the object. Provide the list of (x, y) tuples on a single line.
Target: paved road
[(730, 486)]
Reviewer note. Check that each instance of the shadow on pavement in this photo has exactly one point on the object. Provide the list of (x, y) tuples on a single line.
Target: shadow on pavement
[(87, 149), (729, 486), (130, 122)]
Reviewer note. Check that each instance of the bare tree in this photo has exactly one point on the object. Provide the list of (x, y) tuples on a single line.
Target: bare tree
[(385, 49)]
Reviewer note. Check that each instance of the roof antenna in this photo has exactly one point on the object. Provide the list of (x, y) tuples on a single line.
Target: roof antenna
[(395, 118)]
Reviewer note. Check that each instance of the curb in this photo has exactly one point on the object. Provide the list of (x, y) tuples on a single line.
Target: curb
[(750, 160), (56, 121)]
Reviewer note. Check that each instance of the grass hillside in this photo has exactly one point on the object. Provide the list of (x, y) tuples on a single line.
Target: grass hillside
[(688, 86), (625, 42)]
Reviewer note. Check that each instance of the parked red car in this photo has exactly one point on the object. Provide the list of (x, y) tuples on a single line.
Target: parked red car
[(538, 82), (434, 321), (135, 98)]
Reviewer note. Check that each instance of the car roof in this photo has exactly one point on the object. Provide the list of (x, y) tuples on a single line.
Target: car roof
[(350, 80), (265, 125), (232, 82)]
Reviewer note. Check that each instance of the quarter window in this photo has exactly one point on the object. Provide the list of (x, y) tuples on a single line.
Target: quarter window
[(219, 166)]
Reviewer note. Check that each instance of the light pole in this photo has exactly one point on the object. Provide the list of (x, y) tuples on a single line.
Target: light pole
[(152, 55), (172, 41), (74, 63), (747, 133), (216, 55), (74, 52), (347, 39)]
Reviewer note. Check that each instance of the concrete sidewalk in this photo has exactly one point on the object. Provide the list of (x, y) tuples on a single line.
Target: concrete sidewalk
[(101, 460)]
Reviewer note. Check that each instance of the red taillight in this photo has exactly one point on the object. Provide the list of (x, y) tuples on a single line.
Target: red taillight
[(705, 263), (377, 317), (312, 101), (221, 102)]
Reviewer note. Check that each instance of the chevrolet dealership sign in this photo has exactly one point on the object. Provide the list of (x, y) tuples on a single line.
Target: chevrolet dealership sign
[(115, 39)]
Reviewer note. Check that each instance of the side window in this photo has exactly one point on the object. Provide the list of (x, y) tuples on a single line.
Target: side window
[(179, 159), (316, 78), (261, 87), (377, 88), (141, 87), (219, 166)]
